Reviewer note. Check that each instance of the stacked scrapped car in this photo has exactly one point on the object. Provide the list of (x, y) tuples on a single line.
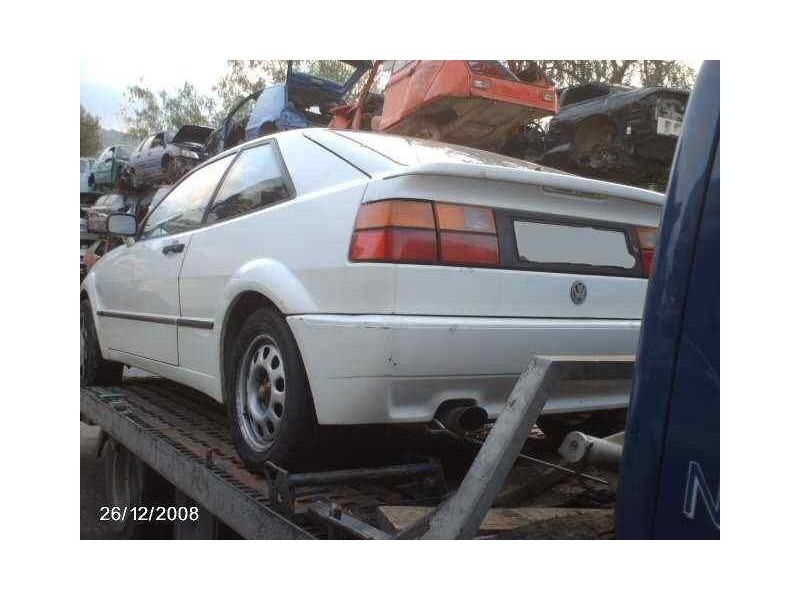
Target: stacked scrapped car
[(167, 155), (98, 213), (478, 103), (108, 167), (311, 90), (616, 132)]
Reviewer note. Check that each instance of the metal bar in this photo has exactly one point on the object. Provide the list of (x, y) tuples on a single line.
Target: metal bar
[(333, 515), (350, 475), (211, 487), (461, 515)]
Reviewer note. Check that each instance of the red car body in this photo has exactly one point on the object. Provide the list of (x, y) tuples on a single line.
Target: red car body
[(474, 103)]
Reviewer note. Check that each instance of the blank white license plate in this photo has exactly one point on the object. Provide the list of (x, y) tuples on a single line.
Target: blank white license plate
[(565, 244)]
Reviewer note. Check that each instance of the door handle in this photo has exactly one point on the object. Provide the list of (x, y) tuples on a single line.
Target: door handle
[(173, 249)]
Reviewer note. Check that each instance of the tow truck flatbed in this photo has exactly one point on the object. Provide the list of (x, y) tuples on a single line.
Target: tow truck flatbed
[(184, 437)]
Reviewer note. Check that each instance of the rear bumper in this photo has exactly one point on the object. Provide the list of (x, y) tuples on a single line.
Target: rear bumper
[(399, 369)]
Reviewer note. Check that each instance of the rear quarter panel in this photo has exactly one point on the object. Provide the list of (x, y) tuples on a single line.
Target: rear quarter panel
[(293, 252)]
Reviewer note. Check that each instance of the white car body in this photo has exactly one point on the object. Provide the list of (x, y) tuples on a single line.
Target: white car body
[(381, 343)]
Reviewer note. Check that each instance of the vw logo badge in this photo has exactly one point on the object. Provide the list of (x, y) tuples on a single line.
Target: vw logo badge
[(578, 292)]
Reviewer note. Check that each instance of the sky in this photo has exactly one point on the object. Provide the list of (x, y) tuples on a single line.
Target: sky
[(103, 81)]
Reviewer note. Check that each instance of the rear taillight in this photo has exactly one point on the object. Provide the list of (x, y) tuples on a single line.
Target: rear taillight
[(415, 231), (647, 245)]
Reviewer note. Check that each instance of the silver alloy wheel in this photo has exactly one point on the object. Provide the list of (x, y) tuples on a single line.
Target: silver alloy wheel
[(261, 393)]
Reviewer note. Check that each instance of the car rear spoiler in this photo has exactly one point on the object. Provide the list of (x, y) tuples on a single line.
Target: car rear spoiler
[(567, 184)]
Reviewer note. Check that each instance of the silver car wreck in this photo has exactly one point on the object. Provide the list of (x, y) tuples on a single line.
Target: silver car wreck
[(165, 156)]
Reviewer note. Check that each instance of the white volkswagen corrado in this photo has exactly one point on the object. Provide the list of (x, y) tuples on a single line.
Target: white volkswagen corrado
[(317, 277)]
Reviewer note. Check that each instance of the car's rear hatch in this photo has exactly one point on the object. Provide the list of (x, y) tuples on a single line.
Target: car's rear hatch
[(567, 247)]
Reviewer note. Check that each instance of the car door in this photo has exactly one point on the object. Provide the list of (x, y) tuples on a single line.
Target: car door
[(137, 286), (137, 160), (101, 168)]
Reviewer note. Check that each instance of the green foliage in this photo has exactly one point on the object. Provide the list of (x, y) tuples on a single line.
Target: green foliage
[(245, 77), (91, 141), (629, 72), (671, 73), (149, 112)]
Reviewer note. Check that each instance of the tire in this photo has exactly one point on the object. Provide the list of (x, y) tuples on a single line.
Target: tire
[(204, 527), (95, 370), (130, 483), (269, 401)]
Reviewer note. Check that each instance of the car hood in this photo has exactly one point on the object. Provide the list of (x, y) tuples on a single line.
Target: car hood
[(192, 134)]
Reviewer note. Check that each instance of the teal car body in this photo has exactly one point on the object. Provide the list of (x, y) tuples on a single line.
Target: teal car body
[(108, 166)]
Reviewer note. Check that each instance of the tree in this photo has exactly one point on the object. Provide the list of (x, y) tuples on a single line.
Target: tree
[(245, 77), (665, 72), (91, 140), (629, 72), (149, 112)]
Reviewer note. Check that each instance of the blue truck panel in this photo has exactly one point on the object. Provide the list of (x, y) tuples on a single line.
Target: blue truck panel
[(669, 479)]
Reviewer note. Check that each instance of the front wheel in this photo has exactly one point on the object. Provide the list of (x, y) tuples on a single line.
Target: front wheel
[(268, 397), (95, 370)]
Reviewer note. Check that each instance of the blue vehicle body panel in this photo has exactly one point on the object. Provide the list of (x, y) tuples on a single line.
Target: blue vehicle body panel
[(669, 479), (272, 106)]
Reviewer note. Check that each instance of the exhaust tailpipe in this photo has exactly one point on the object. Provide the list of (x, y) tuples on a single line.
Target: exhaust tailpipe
[(462, 419)]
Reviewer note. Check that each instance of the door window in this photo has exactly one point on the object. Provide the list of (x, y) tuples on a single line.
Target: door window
[(182, 209), (257, 179)]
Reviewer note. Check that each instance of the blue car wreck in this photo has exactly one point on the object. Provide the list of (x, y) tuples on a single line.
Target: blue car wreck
[(311, 90)]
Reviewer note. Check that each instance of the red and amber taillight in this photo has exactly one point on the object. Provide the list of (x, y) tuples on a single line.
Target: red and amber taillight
[(414, 231), (647, 246)]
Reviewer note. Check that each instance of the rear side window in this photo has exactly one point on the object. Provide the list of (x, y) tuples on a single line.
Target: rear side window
[(257, 179), (183, 208)]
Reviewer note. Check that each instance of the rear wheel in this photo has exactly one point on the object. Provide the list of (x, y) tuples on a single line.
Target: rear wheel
[(131, 484), (199, 524), (268, 397), (95, 370)]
